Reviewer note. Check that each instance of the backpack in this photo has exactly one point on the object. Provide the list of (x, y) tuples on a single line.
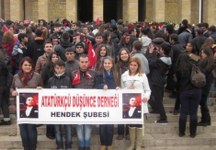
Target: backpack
[(198, 78)]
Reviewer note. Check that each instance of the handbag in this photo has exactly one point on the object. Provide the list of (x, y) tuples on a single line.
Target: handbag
[(198, 78)]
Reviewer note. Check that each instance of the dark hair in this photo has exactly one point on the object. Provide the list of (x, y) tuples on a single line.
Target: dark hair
[(123, 49), (204, 24), (137, 45), (28, 59), (145, 31), (70, 49), (21, 36), (59, 63), (83, 56), (99, 34), (38, 32), (166, 47), (212, 28), (65, 36), (174, 37), (184, 65)]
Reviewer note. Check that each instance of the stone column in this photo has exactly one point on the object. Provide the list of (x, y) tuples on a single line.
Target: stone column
[(185, 11), (1, 9), (149, 8), (71, 10), (97, 9), (130, 10), (159, 10), (16, 10), (43, 10), (209, 11)]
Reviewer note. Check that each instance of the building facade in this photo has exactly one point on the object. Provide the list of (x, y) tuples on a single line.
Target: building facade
[(128, 10)]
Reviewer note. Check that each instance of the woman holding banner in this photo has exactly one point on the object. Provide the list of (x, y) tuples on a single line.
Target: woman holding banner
[(107, 78), (134, 78), (27, 78)]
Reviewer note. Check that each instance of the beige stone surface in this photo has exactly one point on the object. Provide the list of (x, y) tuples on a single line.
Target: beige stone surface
[(57, 9), (97, 9), (209, 11), (16, 10), (171, 11), (159, 10), (185, 9), (31, 10), (71, 10), (43, 11)]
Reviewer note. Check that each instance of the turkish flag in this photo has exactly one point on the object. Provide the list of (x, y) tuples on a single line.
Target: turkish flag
[(5, 29), (91, 55)]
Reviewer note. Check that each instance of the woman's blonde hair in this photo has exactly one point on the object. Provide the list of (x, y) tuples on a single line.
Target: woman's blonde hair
[(139, 69)]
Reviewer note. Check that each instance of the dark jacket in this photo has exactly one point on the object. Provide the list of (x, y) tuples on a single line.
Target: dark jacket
[(183, 73), (85, 82), (36, 48), (102, 78), (47, 72), (159, 68), (136, 114), (60, 48), (59, 82), (197, 43), (71, 66)]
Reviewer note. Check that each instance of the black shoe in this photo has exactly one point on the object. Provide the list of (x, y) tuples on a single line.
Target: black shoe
[(87, 148), (175, 112), (204, 124), (192, 135), (51, 137), (181, 134), (154, 112), (81, 148), (2, 122), (161, 121)]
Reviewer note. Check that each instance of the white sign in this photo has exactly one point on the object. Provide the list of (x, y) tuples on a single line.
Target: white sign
[(79, 106)]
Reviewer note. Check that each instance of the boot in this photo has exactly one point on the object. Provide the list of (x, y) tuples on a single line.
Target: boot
[(182, 126), (205, 119), (109, 147), (139, 139), (193, 128), (102, 147), (132, 134)]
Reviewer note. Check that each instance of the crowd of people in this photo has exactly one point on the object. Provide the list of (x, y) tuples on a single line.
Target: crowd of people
[(66, 54)]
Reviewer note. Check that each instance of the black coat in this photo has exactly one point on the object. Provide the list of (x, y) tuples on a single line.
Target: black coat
[(158, 71)]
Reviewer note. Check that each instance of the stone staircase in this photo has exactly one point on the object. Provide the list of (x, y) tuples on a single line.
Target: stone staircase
[(157, 136)]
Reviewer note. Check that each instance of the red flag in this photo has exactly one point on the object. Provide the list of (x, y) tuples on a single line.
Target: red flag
[(5, 29), (91, 55), (97, 21)]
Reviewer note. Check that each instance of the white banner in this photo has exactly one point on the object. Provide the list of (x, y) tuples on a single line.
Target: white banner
[(79, 106)]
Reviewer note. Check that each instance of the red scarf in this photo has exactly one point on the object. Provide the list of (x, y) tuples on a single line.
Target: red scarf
[(76, 79), (25, 77)]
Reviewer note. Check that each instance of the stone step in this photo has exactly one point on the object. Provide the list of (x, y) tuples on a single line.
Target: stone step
[(150, 140), (200, 147), (150, 128), (172, 139), (151, 118), (154, 128), (14, 142)]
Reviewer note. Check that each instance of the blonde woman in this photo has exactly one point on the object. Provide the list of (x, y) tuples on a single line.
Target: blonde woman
[(134, 78)]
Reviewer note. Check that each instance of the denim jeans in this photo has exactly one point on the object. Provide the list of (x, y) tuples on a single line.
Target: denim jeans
[(106, 134), (189, 104), (59, 136), (84, 135), (28, 133)]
